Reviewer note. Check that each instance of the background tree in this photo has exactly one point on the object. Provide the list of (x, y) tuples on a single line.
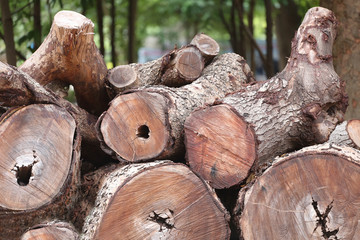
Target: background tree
[(131, 30), (8, 32), (347, 49)]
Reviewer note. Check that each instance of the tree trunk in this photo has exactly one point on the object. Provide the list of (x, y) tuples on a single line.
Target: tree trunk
[(112, 32), (51, 231), (269, 67), (347, 50), (131, 30), (39, 167), (286, 22), (304, 195), (251, 30), (8, 32), (298, 107), (37, 24), (68, 55), (174, 203), (100, 22), (150, 121), (346, 134)]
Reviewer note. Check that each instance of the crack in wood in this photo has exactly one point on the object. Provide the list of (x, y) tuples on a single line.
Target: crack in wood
[(322, 220), (164, 219)]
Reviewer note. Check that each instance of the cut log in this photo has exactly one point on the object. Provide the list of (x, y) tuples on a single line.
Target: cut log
[(55, 230), (69, 55), (173, 203), (182, 66), (298, 107), (39, 167), (311, 194), (149, 122), (208, 47), (18, 88), (221, 154), (134, 75), (346, 134)]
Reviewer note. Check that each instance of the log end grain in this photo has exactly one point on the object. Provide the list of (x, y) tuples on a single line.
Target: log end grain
[(353, 129), (207, 46), (135, 126), (220, 145), (122, 76), (51, 231)]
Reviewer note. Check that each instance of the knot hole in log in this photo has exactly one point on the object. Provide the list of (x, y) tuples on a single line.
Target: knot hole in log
[(143, 132), (322, 220), (24, 168), (164, 218)]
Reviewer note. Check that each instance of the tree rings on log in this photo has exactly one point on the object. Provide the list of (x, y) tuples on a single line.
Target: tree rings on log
[(171, 203), (134, 126), (220, 145), (208, 47), (39, 166), (311, 194), (51, 231)]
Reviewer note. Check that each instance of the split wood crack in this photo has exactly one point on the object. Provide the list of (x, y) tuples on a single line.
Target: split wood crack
[(322, 220)]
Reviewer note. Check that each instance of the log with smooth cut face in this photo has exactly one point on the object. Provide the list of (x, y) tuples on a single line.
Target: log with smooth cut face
[(134, 126)]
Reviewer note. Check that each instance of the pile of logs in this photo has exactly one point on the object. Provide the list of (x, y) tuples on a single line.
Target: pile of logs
[(188, 146)]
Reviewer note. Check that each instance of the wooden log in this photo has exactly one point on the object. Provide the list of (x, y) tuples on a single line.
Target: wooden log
[(69, 55), (182, 66), (310, 194), (346, 134), (149, 122), (18, 88), (298, 107), (55, 230), (134, 75), (172, 203), (208, 47), (39, 168)]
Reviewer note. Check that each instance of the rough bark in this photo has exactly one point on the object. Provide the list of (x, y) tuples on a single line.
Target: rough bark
[(8, 32), (310, 194), (182, 66), (40, 167), (150, 121), (222, 154), (346, 134), (17, 88), (347, 50), (68, 55), (134, 75), (172, 202), (51, 231), (298, 107)]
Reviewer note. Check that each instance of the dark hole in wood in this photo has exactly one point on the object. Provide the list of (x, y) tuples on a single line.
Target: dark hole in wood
[(23, 175), (143, 131)]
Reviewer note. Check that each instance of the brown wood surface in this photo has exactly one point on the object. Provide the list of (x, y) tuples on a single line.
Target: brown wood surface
[(51, 231), (310, 194), (220, 145), (69, 55), (208, 47), (39, 167), (146, 124), (156, 200)]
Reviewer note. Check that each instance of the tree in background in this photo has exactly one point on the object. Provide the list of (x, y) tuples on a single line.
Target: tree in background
[(37, 24), (8, 32), (131, 30), (347, 50)]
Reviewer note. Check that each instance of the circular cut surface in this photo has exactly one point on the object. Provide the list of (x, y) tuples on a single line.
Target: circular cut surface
[(190, 64), (122, 76), (289, 200), (166, 202), (220, 145), (134, 126), (206, 44), (353, 128), (36, 152), (70, 19)]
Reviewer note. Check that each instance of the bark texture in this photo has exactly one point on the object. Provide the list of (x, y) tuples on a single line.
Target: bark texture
[(346, 134), (69, 55), (310, 194), (347, 50), (172, 202), (299, 106), (150, 121), (40, 167)]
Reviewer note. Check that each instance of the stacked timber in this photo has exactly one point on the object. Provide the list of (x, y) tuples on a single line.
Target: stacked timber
[(187, 146)]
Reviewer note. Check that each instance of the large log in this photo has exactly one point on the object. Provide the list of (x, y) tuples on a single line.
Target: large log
[(298, 107), (69, 55), (150, 121), (40, 167), (55, 230), (311, 194), (171, 203)]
